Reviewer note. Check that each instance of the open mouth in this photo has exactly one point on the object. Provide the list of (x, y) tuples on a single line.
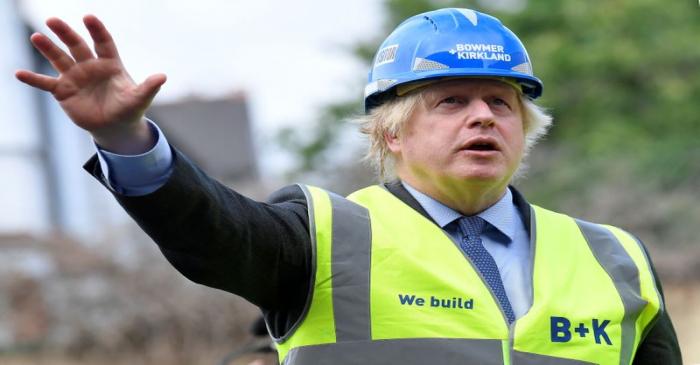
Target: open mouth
[(481, 145)]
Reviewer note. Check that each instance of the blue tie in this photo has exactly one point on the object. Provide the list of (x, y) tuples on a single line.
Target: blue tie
[(471, 244)]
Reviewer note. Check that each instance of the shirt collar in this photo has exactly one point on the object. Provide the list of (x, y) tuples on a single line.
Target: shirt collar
[(500, 215)]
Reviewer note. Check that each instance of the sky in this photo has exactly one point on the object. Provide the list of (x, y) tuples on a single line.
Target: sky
[(289, 57)]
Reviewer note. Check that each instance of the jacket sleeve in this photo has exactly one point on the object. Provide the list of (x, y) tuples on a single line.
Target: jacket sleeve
[(219, 238), (660, 346)]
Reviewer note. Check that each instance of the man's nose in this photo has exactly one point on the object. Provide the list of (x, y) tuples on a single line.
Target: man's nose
[(479, 114)]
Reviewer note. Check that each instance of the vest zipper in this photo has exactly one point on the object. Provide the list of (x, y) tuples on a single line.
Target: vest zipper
[(511, 328)]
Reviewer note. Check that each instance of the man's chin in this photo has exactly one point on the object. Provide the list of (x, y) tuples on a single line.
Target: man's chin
[(482, 175)]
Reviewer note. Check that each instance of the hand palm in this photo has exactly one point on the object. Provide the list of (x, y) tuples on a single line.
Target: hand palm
[(96, 93)]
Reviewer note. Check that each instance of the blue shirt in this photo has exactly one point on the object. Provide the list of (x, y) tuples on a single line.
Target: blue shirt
[(505, 236), (135, 175)]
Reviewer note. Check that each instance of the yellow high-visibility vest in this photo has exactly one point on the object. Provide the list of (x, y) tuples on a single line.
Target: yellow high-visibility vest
[(391, 287)]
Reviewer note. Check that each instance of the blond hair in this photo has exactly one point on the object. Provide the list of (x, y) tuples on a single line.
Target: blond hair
[(390, 117)]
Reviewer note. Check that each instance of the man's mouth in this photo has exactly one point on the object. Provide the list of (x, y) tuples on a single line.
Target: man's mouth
[(481, 147), (481, 144)]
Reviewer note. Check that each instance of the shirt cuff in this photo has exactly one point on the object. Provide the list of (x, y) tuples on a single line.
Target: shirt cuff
[(136, 175)]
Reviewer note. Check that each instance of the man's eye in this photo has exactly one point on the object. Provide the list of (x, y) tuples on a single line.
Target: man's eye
[(450, 100), (500, 102)]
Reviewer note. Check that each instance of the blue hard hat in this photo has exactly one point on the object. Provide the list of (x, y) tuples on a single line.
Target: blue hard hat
[(448, 43)]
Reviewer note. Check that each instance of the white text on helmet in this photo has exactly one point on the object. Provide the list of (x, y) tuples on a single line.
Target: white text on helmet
[(480, 51), (479, 47)]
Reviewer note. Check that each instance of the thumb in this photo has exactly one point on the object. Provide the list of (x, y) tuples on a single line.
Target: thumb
[(148, 89)]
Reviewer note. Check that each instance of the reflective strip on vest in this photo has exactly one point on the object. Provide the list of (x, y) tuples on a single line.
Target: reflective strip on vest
[(624, 273), (526, 358), (418, 351), (350, 269)]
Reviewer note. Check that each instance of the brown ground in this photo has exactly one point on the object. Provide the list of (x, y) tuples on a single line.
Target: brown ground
[(683, 304)]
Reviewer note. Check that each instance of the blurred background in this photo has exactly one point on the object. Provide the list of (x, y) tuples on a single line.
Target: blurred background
[(259, 94)]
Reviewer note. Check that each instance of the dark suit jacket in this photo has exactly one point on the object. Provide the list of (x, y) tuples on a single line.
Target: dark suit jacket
[(261, 251)]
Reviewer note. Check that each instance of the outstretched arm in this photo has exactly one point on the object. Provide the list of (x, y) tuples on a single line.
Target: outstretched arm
[(210, 233), (95, 90)]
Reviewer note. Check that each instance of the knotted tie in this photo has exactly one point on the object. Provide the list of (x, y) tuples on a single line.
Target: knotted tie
[(471, 244)]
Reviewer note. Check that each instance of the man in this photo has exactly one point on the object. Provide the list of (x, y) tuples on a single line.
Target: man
[(446, 263)]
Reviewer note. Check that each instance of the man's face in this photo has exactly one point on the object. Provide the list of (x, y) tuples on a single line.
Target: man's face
[(468, 132)]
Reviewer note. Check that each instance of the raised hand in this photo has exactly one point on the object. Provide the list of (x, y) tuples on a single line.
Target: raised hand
[(95, 90)]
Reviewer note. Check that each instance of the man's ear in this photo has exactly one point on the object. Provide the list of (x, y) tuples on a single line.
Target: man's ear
[(392, 141)]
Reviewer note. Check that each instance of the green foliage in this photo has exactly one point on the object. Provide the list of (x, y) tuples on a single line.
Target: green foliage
[(310, 147), (622, 79), (620, 75)]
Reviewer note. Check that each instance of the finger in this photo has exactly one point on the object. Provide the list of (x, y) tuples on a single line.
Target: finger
[(43, 82), (76, 45), (104, 44), (59, 59), (148, 89)]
